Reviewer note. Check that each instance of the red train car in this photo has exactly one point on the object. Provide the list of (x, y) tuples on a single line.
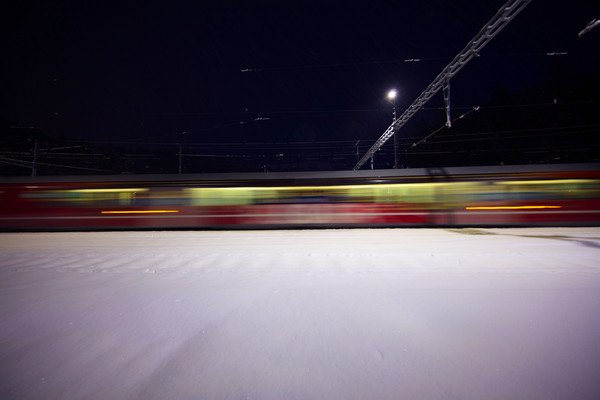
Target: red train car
[(538, 195)]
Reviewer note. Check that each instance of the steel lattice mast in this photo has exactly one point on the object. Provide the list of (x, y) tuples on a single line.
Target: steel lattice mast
[(506, 13)]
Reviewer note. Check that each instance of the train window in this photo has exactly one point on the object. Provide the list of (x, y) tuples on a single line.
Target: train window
[(219, 196), (160, 197), (83, 197), (555, 189)]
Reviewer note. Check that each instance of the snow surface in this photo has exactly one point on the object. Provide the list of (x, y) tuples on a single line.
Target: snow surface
[(301, 314)]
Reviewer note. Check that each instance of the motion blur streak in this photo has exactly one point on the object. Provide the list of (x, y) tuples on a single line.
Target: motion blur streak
[(140, 212), (510, 207), (526, 195)]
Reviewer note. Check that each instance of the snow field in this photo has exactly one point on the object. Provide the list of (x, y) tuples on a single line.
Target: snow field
[(323, 314)]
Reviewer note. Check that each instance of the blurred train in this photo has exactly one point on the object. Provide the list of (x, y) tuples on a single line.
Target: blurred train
[(538, 195)]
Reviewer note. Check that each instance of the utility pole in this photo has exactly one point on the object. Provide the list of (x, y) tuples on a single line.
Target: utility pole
[(35, 158), (180, 155), (392, 96)]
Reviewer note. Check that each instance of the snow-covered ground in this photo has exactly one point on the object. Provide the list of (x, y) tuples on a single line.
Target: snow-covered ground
[(301, 314)]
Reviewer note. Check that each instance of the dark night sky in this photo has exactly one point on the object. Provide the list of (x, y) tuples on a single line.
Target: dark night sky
[(147, 71)]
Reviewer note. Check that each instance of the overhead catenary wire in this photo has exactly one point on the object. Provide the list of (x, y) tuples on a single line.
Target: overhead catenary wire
[(445, 126), (336, 143), (487, 33), (402, 60), (29, 164)]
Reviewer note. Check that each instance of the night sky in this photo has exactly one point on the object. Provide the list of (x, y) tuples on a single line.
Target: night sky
[(255, 72)]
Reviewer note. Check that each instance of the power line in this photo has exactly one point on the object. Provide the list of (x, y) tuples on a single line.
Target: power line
[(397, 61), (29, 164), (487, 33), (444, 126)]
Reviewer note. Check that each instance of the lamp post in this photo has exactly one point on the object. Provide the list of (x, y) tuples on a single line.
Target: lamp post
[(392, 97)]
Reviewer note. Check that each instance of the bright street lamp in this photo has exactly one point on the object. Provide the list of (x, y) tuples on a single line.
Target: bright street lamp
[(392, 94), (392, 97)]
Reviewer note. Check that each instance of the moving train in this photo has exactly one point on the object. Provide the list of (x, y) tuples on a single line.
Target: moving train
[(531, 195)]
